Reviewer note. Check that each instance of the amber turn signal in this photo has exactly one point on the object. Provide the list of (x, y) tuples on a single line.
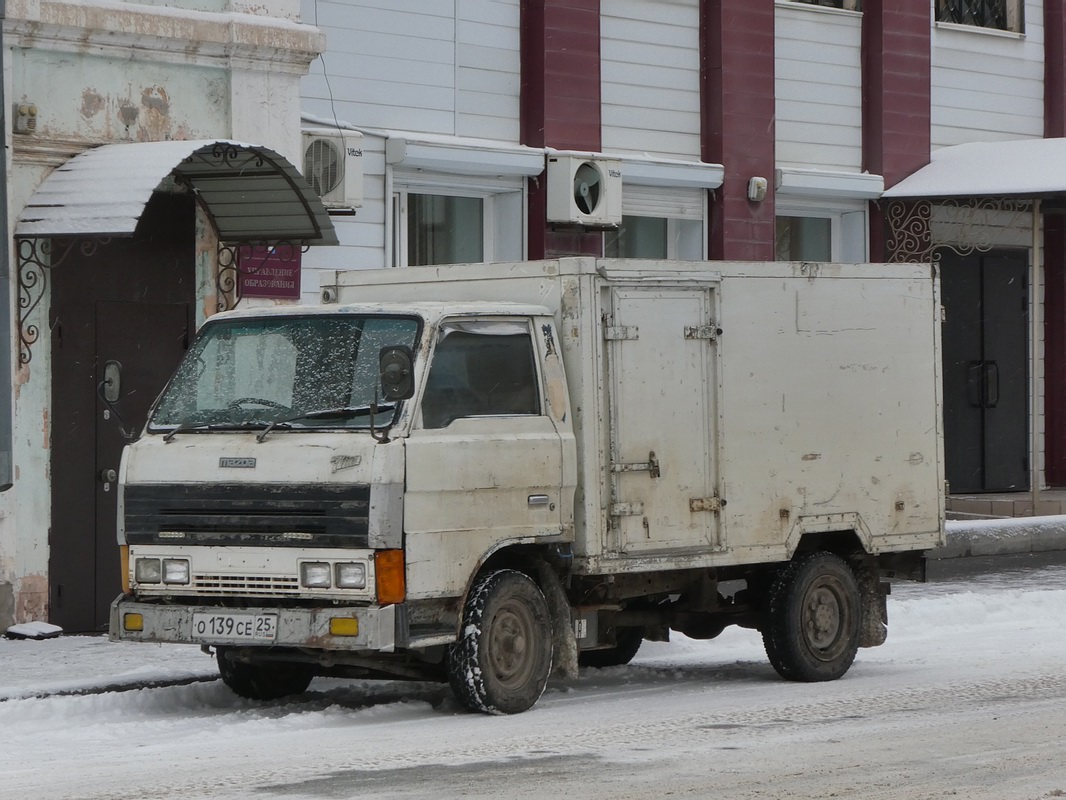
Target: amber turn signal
[(124, 566), (389, 576)]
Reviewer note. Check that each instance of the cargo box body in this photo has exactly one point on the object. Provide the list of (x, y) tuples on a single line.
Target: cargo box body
[(723, 410)]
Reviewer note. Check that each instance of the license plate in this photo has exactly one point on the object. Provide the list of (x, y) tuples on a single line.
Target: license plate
[(237, 627)]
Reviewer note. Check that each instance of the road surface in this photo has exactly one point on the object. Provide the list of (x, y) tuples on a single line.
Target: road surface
[(966, 700)]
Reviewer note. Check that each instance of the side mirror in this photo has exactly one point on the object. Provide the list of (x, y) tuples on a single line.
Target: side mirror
[(396, 369), (111, 385)]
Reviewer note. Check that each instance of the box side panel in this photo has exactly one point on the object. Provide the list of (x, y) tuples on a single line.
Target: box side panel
[(830, 409)]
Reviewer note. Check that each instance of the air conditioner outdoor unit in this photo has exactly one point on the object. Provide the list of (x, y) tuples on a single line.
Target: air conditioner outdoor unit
[(584, 190), (333, 165)]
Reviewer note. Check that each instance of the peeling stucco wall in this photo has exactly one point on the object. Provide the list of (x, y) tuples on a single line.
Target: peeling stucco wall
[(105, 71)]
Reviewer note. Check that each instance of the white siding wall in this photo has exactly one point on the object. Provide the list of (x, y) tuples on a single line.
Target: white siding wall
[(988, 86), (650, 77), (487, 69), (818, 66), (447, 67), (440, 67)]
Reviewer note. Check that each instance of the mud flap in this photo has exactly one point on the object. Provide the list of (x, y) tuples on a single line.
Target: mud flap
[(564, 641), (873, 627)]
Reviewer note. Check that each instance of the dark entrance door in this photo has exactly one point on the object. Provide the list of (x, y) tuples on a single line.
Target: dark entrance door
[(986, 377), (130, 301)]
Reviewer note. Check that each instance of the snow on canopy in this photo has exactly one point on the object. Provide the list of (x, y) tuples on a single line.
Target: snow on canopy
[(252, 193), (1022, 168)]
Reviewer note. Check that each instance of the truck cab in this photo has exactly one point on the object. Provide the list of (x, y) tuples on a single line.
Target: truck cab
[(281, 465)]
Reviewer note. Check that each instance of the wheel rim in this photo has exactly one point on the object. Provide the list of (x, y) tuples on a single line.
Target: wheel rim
[(826, 618), (512, 644)]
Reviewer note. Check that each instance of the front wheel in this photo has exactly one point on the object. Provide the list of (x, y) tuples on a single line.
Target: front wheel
[(813, 609), (501, 662), (262, 681)]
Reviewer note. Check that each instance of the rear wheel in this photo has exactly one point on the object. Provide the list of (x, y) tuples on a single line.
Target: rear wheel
[(262, 681), (501, 663), (813, 609)]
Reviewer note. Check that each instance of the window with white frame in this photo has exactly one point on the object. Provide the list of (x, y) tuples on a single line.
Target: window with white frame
[(847, 5), (1003, 15), (804, 238), (810, 232), (443, 229), (455, 221), (659, 222)]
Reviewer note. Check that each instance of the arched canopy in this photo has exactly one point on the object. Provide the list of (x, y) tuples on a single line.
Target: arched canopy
[(253, 194)]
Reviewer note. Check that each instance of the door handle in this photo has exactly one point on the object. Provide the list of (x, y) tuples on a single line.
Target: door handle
[(108, 475), (538, 500)]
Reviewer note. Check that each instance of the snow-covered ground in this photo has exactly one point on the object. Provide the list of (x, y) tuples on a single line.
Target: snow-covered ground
[(967, 699)]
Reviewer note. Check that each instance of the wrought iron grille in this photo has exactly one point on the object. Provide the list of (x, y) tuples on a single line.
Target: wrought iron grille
[(982, 13), (966, 225), (36, 259)]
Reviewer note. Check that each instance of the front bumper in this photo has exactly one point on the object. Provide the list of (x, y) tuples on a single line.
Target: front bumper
[(296, 627)]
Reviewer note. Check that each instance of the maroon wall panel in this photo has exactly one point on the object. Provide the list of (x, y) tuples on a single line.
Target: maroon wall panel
[(560, 103), (737, 108), (896, 96), (1054, 256)]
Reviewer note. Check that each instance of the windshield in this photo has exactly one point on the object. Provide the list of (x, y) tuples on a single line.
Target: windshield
[(254, 372)]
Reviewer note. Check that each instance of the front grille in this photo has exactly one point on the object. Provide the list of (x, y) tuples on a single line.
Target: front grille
[(247, 514), (245, 585)]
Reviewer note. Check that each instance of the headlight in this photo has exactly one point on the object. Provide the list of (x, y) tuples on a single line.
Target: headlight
[(351, 575), (147, 570), (175, 570), (315, 574)]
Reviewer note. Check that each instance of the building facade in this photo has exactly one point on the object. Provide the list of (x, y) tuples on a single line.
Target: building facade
[(115, 118), (780, 129), (443, 131)]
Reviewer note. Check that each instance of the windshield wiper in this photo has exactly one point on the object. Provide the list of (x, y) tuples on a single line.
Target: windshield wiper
[(341, 412), (185, 427)]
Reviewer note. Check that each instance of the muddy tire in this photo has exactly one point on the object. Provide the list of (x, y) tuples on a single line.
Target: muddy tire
[(262, 681), (628, 641), (501, 662), (813, 611)]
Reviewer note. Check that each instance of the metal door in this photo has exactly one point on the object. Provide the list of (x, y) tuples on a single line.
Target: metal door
[(986, 381), (131, 302), (662, 384), (486, 465)]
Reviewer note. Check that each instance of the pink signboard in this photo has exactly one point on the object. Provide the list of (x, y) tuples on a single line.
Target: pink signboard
[(270, 271)]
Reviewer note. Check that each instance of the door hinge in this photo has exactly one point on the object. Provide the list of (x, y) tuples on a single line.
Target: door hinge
[(627, 509)]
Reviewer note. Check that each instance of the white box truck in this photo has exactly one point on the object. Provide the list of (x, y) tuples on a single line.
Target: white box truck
[(481, 473)]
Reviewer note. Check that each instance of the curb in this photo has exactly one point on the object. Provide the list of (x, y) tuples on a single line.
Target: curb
[(1003, 537), (104, 688)]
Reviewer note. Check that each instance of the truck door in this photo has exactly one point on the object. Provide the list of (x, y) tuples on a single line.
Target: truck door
[(486, 465), (663, 418)]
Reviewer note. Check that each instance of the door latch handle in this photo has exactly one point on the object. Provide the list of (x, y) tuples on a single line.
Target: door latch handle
[(538, 500), (108, 475), (651, 466)]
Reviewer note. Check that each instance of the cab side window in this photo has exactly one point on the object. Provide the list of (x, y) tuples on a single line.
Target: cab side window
[(481, 369)]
